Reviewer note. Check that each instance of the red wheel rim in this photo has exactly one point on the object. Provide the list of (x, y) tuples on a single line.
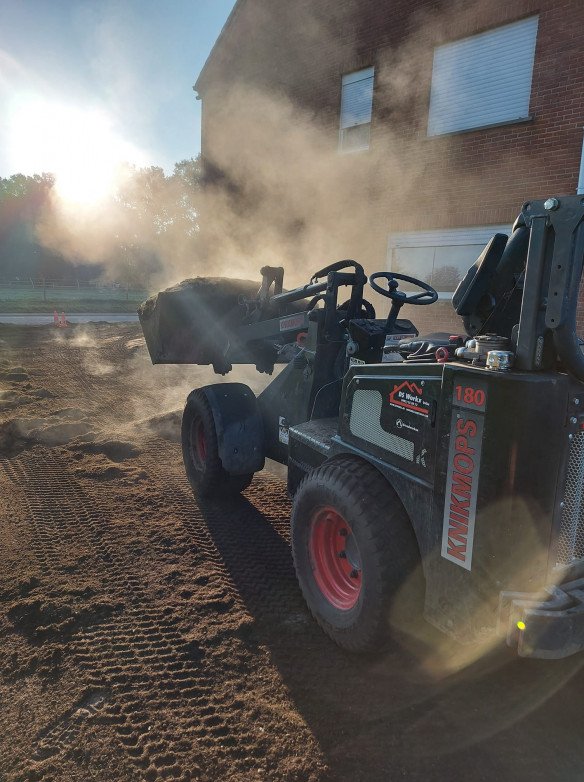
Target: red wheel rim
[(198, 443), (335, 557)]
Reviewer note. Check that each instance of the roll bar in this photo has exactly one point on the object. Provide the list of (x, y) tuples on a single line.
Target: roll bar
[(335, 278), (555, 257)]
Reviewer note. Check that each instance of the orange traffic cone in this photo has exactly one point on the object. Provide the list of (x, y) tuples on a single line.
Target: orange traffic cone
[(56, 320), (63, 324)]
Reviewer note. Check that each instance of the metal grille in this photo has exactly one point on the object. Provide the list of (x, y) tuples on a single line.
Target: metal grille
[(365, 423), (571, 542)]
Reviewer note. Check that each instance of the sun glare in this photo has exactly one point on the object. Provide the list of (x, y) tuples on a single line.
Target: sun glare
[(79, 146)]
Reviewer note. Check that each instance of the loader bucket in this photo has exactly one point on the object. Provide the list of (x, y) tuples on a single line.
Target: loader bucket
[(195, 321)]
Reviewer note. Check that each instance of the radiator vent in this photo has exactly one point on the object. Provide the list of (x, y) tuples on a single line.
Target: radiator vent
[(571, 541), (365, 423)]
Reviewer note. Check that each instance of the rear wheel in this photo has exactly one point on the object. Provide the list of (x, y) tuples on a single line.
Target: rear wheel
[(200, 452), (353, 548)]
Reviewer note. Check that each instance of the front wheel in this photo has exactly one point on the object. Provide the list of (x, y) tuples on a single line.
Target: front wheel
[(200, 451), (354, 548)]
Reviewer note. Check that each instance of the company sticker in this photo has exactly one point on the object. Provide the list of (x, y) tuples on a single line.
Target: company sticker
[(409, 395), (401, 424), (464, 462)]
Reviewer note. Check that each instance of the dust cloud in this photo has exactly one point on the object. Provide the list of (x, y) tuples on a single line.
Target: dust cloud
[(282, 194), (293, 210), (162, 388)]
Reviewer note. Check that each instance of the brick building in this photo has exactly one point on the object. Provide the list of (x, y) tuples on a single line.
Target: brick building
[(437, 119)]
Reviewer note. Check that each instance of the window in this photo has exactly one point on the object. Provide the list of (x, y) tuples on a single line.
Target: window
[(440, 258), (356, 103), (483, 80)]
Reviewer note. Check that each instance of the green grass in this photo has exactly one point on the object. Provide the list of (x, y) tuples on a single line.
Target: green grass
[(13, 299)]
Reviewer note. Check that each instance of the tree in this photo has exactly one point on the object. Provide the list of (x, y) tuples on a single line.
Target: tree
[(156, 217), (22, 199), (151, 221)]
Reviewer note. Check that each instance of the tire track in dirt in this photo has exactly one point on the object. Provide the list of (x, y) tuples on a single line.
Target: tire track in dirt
[(147, 636), (196, 678), (83, 361), (179, 705), (248, 541), (43, 542)]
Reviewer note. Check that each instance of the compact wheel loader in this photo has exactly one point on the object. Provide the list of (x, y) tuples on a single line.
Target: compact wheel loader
[(441, 472)]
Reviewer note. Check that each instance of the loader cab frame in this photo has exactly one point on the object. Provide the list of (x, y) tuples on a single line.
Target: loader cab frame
[(465, 457)]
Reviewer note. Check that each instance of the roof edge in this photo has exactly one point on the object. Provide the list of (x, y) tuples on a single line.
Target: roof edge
[(234, 11)]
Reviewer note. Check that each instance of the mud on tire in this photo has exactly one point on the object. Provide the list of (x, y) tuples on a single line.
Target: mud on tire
[(353, 548), (200, 452)]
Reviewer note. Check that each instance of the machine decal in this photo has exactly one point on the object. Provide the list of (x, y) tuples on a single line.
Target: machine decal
[(407, 412), (464, 461), (283, 430), (401, 424), (292, 322), (471, 397), (410, 396)]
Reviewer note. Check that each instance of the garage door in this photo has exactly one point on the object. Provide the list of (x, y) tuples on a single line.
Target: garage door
[(439, 257)]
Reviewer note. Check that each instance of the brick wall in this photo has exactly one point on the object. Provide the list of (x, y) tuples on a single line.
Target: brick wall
[(300, 49)]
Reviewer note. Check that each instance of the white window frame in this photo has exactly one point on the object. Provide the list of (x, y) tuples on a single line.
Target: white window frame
[(446, 237), (458, 105), (364, 74)]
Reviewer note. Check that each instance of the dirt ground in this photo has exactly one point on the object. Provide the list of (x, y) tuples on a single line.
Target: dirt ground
[(145, 636)]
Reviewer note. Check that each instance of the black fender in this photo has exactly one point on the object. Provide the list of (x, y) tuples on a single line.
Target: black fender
[(239, 428)]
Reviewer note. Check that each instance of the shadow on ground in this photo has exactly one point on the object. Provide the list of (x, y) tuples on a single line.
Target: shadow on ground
[(395, 716)]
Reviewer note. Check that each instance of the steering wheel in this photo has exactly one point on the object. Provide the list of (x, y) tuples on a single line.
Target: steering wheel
[(427, 296), (399, 298)]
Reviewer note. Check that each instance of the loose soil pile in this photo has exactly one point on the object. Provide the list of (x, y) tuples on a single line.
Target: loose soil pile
[(145, 635)]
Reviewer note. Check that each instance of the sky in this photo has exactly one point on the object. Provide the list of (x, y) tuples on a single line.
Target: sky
[(103, 79)]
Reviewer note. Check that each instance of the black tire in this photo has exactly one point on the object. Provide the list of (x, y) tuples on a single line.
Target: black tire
[(201, 455), (378, 551)]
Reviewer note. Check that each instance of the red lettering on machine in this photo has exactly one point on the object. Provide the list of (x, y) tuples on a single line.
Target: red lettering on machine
[(461, 489)]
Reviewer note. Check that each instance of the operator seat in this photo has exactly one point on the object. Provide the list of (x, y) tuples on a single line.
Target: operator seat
[(475, 284), (467, 296), (488, 298)]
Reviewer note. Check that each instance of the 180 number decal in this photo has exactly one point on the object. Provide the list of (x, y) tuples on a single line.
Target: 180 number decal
[(470, 396)]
